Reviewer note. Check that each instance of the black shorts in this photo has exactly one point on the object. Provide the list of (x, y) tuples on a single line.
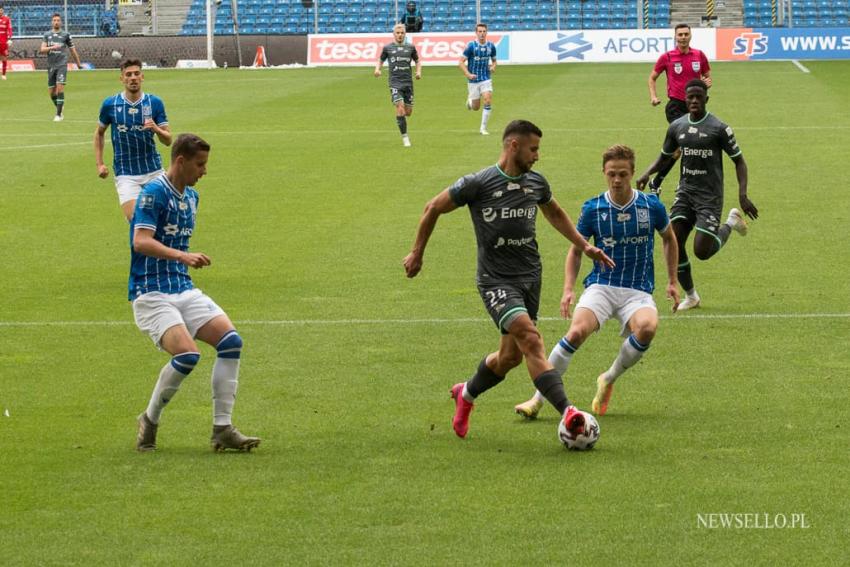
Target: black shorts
[(703, 212), (505, 301), (675, 109), (402, 93), (56, 75)]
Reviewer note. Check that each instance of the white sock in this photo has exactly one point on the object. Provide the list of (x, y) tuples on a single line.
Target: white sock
[(169, 382), (630, 352), (692, 294), (485, 116), (561, 356), (225, 379), (467, 396)]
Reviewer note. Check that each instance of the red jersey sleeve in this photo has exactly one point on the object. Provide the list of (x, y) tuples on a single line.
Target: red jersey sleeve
[(704, 62), (661, 64)]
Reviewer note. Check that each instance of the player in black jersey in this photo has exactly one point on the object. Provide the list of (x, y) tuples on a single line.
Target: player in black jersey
[(503, 201)]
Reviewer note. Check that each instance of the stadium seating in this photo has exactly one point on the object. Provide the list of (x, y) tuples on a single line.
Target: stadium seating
[(85, 17), (440, 15), (805, 13)]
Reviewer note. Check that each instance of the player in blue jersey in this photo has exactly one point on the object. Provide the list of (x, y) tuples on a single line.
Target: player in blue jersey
[(134, 117), (478, 63), (698, 206), (503, 202), (622, 222), (166, 304)]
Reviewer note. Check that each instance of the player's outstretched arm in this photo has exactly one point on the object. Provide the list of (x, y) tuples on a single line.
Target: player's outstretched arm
[(76, 57), (558, 218), (747, 206), (659, 162), (145, 243), (572, 264), (671, 260), (439, 205), (102, 170)]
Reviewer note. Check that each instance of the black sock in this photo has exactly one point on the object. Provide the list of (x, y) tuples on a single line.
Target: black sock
[(402, 124), (723, 233), (60, 102), (552, 387), (53, 98), (483, 380), (684, 275)]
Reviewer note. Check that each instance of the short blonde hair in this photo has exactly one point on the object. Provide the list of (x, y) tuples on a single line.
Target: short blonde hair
[(395, 27)]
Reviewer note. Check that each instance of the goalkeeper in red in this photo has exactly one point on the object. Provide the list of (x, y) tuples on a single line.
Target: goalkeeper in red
[(5, 40)]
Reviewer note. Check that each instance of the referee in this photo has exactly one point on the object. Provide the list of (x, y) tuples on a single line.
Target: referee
[(681, 65)]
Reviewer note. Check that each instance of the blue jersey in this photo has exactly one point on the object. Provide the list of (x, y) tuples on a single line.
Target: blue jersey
[(162, 209), (478, 59), (134, 148), (626, 234)]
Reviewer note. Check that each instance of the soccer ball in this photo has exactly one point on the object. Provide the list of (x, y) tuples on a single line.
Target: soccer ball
[(116, 55), (583, 441)]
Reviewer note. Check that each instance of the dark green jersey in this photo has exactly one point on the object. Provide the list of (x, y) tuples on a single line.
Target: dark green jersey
[(400, 60), (58, 57), (504, 211), (702, 144)]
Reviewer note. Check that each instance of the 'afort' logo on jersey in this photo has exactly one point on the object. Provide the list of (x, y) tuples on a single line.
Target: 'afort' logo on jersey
[(750, 43), (174, 230)]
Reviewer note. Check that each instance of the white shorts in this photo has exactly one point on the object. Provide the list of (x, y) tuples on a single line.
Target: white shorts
[(157, 312), (129, 186), (607, 301), (477, 89)]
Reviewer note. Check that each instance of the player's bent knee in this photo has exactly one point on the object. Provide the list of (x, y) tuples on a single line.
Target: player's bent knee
[(230, 345), (185, 362), (645, 331), (529, 339), (704, 252), (509, 360)]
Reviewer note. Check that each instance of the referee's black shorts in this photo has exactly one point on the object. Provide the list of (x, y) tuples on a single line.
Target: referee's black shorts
[(675, 109)]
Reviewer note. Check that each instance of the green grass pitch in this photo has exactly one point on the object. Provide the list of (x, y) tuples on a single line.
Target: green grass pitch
[(308, 208)]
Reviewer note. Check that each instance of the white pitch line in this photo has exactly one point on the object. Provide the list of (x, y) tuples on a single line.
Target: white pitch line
[(461, 131), (2, 148), (456, 321), (800, 66)]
